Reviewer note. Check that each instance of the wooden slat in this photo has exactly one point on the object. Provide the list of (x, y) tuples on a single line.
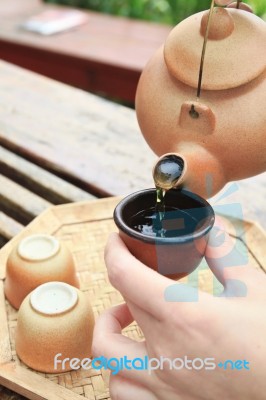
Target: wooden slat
[(99, 209), (8, 229), (92, 142), (31, 385), (3, 241), (19, 202), (5, 349), (39, 181)]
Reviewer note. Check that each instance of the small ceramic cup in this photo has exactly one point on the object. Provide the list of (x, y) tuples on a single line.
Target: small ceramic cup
[(35, 260), (188, 225), (54, 329)]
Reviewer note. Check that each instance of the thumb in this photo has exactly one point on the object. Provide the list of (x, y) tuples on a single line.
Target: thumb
[(227, 258)]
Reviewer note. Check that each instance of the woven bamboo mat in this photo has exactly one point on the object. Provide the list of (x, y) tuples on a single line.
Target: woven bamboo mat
[(84, 227)]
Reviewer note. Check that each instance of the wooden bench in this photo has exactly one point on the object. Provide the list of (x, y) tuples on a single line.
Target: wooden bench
[(58, 145), (106, 55), (26, 191)]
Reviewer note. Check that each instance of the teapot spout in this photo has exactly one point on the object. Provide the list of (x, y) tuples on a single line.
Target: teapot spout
[(169, 170), (201, 172)]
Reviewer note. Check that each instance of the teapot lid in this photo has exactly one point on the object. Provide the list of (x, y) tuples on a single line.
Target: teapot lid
[(235, 53)]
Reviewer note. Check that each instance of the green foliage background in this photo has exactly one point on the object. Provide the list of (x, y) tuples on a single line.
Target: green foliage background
[(164, 11)]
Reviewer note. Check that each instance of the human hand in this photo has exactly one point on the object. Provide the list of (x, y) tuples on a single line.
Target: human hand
[(224, 328)]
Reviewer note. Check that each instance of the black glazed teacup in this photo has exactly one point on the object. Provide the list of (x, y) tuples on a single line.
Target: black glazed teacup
[(187, 226)]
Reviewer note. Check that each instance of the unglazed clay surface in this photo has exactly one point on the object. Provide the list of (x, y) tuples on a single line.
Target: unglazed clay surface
[(35, 260), (224, 138), (42, 332), (38, 247), (53, 298)]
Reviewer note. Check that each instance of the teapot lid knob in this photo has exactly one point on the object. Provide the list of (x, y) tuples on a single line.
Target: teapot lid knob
[(222, 24), (235, 52)]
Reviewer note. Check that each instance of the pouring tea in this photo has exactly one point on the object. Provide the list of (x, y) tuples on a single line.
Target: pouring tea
[(202, 97)]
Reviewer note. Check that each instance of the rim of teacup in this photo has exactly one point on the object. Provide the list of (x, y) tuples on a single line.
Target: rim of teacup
[(200, 232), (38, 247), (54, 298)]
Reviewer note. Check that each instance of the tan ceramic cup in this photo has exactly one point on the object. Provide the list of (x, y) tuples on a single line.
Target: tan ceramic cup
[(55, 323), (35, 260)]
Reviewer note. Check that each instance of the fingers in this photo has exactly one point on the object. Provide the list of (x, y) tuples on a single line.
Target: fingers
[(107, 338), (227, 257), (157, 296), (115, 319), (144, 319), (109, 343), (123, 389), (134, 280)]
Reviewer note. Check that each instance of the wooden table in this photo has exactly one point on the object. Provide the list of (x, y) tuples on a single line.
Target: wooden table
[(59, 144), (105, 55)]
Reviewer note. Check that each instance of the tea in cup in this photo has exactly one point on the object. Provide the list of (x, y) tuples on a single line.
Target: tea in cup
[(171, 242)]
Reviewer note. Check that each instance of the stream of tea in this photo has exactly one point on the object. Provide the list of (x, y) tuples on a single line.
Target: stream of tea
[(163, 220)]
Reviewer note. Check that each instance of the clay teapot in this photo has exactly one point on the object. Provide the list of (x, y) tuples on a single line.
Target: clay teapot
[(217, 126)]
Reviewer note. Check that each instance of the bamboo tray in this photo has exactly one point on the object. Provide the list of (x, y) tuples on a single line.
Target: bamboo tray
[(84, 227)]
